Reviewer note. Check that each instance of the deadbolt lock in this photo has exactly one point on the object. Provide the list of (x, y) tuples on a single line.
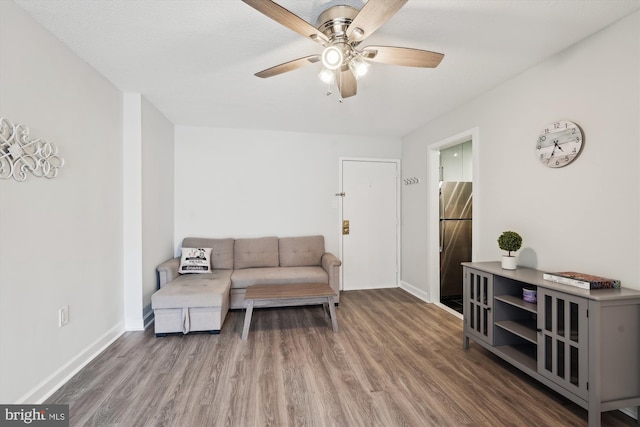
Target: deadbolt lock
[(345, 226)]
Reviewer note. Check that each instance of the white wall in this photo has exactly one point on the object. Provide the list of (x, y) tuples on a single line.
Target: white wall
[(242, 183), (582, 217), (132, 210), (60, 239), (148, 204), (157, 195)]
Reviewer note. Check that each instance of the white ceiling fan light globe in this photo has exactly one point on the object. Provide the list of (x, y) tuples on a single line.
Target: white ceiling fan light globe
[(327, 75), (359, 67), (332, 57)]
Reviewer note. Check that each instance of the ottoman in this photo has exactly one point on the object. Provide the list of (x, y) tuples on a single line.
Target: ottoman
[(192, 302)]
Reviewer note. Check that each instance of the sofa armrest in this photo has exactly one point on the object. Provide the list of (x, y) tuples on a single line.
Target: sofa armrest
[(331, 264), (330, 260), (167, 271)]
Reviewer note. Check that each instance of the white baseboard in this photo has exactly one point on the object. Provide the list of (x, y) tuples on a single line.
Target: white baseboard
[(449, 310), (56, 380), (419, 293), (424, 296)]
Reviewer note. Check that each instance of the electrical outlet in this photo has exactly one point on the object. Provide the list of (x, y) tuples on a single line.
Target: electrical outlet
[(63, 316)]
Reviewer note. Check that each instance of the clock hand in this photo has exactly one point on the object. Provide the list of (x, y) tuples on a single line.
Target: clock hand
[(555, 145)]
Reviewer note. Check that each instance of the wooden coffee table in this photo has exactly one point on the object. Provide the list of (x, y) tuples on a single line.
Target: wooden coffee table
[(289, 295)]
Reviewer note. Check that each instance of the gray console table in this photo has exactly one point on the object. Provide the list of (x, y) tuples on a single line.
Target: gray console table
[(583, 344)]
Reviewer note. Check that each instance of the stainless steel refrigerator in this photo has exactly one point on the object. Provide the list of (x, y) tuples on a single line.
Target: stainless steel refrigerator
[(455, 236)]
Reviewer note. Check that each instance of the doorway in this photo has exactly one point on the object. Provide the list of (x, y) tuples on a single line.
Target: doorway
[(456, 220), (369, 222), (434, 177)]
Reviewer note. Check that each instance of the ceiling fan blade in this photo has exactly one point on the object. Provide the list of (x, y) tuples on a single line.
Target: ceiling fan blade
[(288, 19), (402, 56), (347, 82), (372, 15), (288, 66)]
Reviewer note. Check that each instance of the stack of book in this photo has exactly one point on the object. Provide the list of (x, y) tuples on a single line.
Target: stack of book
[(581, 280)]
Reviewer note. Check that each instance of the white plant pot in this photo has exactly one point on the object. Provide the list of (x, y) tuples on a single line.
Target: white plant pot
[(509, 262)]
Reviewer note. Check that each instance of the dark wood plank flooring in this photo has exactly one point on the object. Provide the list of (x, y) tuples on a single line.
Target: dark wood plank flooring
[(396, 361)]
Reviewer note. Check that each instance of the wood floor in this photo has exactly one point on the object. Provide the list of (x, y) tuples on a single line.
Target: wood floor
[(396, 361)]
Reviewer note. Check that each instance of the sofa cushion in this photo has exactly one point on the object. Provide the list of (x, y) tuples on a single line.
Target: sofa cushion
[(195, 260), (240, 279), (204, 290), (221, 250), (301, 251), (256, 252)]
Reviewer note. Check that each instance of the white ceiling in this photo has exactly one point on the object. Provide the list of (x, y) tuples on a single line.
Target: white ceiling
[(195, 59)]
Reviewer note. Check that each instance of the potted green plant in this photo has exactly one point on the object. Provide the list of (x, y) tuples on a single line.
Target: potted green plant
[(509, 241)]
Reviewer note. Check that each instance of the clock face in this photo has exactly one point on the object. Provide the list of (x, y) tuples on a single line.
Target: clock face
[(559, 144)]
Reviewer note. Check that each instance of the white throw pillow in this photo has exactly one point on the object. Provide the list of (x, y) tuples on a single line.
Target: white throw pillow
[(195, 260)]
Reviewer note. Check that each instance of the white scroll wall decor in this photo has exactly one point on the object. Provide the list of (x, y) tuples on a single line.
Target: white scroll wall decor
[(20, 155)]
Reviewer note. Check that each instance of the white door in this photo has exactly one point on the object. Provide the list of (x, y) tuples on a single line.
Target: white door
[(370, 204)]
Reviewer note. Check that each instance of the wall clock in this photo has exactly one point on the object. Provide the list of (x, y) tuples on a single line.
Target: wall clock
[(559, 144)]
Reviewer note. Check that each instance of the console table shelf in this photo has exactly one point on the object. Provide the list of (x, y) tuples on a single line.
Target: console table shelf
[(583, 344), (518, 302), (524, 355), (526, 330)]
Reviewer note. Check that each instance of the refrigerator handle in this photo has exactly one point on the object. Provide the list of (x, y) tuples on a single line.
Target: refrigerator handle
[(441, 220)]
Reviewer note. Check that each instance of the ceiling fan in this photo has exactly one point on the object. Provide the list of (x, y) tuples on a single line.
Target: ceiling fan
[(341, 29)]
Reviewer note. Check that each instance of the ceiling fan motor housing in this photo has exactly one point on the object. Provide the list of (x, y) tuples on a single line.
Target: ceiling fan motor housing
[(334, 21)]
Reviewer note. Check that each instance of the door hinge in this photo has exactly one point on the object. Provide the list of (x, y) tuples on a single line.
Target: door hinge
[(587, 313), (587, 385)]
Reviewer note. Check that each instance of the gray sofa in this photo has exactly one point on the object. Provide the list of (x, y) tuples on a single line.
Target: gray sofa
[(200, 301)]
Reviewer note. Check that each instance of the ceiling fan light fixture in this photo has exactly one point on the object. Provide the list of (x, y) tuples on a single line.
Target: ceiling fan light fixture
[(359, 67), (327, 75), (332, 57), (341, 29)]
